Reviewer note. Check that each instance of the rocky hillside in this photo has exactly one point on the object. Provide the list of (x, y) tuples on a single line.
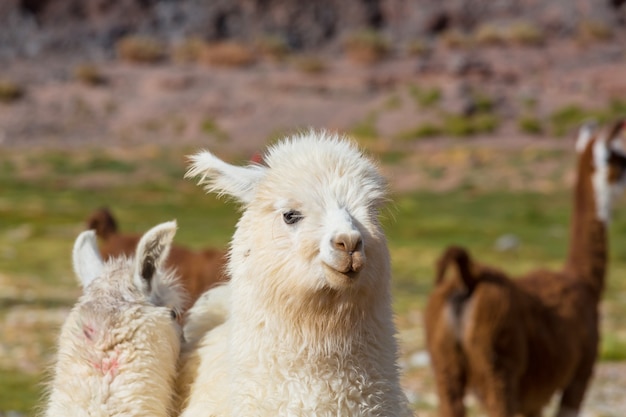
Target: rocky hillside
[(33, 27)]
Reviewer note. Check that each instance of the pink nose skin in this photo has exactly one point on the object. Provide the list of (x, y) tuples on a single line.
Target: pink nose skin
[(351, 244)]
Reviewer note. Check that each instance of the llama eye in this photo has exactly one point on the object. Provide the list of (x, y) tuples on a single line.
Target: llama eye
[(292, 216), (173, 314)]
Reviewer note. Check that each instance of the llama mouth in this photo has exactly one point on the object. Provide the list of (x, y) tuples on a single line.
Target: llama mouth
[(337, 278)]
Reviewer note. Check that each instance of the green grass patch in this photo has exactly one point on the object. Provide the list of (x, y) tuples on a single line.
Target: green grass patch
[(366, 129), (20, 392), (425, 97)]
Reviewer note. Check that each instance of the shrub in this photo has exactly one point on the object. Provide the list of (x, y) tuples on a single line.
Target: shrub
[(425, 98), (425, 130), (530, 124), (525, 33), (210, 127), (458, 125), (489, 35), (366, 129), (10, 91), (367, 47), (310, 64), (140, 49), (228, 54), (455, 39), (590, 31), (567, 118), (89, 74)]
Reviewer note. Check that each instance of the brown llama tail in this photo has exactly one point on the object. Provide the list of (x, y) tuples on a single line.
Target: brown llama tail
[(459, 256)]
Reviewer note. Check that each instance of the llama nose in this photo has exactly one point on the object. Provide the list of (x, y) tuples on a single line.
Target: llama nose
[(347, 242)]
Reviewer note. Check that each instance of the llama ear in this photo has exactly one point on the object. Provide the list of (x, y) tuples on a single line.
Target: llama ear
[(585, 134), (86, 258), (152, 250), (223, 178)]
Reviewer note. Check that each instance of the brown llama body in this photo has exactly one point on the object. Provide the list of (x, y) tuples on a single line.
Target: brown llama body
[(198, 270), (516, 342)]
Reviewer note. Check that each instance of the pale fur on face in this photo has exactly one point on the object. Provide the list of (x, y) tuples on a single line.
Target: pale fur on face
[(309, 329)]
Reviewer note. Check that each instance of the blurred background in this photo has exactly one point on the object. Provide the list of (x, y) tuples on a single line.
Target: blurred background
[(471, 106)]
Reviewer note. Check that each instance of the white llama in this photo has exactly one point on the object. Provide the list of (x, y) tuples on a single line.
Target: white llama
[(119, 346), (308, 328)]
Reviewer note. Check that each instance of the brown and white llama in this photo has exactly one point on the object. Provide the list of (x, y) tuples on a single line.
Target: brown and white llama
[(516, 342), (307, 325), (119, 346), (198, 270)]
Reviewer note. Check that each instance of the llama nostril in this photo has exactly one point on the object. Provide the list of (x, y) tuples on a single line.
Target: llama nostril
[(347, 243)]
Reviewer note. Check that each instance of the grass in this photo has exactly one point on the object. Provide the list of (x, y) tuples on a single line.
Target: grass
[(425, 98), (366, 129), (44, 203)]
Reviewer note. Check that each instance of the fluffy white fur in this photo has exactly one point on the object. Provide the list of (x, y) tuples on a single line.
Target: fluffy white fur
[(119, 345), (308, 329)]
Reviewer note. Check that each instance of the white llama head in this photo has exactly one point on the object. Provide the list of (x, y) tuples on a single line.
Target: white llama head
[(608, 161), (310, 222), (142, 277), (119, 346)]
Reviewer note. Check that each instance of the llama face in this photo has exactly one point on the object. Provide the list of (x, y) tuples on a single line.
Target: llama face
[(312, 214), (608, 163)]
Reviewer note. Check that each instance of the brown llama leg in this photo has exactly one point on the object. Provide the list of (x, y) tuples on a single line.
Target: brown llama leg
[(574, 392), (450, 374), (495, 383)]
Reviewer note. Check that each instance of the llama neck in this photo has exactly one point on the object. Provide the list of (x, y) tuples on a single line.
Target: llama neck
[(588, 248), (326, 325)]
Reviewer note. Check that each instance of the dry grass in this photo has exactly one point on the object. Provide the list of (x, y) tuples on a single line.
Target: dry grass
[(490, 35), (228, 54), (189, 50), (89, 74), (10, 91), (140, 49), (525, 34), (455, 39), (590, 31), (310, 64), (273, 48), (366, 47)]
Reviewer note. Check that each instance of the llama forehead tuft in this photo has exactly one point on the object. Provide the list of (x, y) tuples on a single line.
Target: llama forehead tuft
[(323, 162)]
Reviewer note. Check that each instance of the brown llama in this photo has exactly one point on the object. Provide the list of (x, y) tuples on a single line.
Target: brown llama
[(516, 342), (198, 270)]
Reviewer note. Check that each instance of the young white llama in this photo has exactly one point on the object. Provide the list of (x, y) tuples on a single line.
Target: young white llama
[(309, 328), (119, 346), (517, 342)]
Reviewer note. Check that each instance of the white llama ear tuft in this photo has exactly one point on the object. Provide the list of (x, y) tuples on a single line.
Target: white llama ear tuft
[(223, 178), (86, 258), (152, 251), (585, 134)]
